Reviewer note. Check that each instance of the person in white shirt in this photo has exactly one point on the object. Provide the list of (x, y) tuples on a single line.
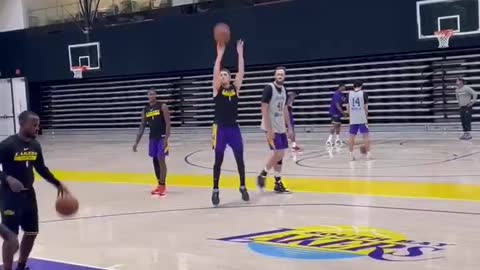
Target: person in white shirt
[(358, 112)]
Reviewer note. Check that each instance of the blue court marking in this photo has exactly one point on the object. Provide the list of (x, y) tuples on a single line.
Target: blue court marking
[(41, 264)]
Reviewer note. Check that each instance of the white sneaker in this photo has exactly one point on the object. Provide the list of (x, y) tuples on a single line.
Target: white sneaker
[(338, 143), (369, 156), (328, 143)]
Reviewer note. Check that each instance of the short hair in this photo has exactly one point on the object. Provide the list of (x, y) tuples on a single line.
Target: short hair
[(461, 79), (225, 70), (22, 117), (357, 84), (280, 68), (152, 90)]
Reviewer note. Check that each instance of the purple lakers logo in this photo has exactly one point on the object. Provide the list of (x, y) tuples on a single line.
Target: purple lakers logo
[(339, 243)]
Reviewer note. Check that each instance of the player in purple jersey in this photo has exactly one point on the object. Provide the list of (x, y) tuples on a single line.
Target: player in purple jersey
[(336, 112)]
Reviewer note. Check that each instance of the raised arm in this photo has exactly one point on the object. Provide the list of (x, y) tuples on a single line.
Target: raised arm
[(241, 67), (141, 130), (217, 79)]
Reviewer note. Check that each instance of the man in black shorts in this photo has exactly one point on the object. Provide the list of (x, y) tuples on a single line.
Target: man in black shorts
[(19, 155)]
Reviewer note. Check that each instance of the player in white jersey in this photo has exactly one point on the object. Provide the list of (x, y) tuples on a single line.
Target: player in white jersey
[(358, 111), (276, 124)]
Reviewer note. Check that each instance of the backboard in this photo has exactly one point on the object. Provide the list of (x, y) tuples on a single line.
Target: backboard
[(84, 54), (462, 16)]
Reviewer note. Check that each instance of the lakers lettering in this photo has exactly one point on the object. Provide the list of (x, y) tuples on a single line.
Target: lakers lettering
[(152, 114), (25, 156), (339, 242)]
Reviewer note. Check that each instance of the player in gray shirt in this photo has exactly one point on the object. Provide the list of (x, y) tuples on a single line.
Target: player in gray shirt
[(466, 97)]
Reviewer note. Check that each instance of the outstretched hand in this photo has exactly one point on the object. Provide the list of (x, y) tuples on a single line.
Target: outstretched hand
[(220, 48), (240, 46)]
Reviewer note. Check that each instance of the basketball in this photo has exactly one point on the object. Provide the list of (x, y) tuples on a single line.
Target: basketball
[(66, 205), (363, 149), (221, 32)]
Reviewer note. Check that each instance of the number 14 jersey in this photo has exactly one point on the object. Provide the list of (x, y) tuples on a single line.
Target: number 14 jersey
[(356, 102)]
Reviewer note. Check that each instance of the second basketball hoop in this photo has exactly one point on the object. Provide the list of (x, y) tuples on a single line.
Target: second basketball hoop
[(443, 37)]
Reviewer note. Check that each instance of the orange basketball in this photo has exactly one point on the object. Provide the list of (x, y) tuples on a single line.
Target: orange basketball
[(221, 32), (66, 205), (363, 149)]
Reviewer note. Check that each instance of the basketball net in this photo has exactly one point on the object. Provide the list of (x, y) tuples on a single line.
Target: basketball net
[(443, 37), (78, 72)]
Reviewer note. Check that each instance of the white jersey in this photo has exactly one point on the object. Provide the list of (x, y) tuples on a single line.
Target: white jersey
[(275, 110), (356, 103)]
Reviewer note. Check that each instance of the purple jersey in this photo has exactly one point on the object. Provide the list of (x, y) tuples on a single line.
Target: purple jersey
[(337, 98)]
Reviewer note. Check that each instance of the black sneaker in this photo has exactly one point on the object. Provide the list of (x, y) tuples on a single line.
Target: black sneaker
[(280, 188), (25, 268), (216, 197), (245, 196), (261, 181)]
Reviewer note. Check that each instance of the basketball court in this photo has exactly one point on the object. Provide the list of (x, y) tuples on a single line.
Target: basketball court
[(415, 205)]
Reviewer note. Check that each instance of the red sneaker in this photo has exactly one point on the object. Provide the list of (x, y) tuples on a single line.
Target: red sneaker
[(160, 190)]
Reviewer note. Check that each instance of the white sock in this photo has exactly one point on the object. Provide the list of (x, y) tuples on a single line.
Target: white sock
[(330, 137), (338, 137), (294, 144)]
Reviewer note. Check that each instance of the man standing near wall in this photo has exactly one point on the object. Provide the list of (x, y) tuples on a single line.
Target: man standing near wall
[(466, 97)]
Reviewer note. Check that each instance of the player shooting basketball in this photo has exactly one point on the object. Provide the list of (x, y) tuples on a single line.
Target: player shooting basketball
[(225, 129)]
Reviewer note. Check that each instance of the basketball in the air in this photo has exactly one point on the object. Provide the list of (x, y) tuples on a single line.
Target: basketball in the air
[(221, 32), (66, 205), (363, 149)]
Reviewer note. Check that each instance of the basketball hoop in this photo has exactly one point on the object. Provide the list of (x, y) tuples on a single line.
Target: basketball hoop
[(78, 72), (443, 37)]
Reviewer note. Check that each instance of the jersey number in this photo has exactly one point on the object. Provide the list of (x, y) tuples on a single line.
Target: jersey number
[(280, 106), (356, 102)]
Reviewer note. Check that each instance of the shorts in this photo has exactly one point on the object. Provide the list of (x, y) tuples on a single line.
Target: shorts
[(156, 148), (20, 210), (223, 136), (336, 119), (280, 142), (355, 128)]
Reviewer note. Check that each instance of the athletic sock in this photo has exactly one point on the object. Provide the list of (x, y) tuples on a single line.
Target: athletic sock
[(278, 177), (215, 183), (330, 138)]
